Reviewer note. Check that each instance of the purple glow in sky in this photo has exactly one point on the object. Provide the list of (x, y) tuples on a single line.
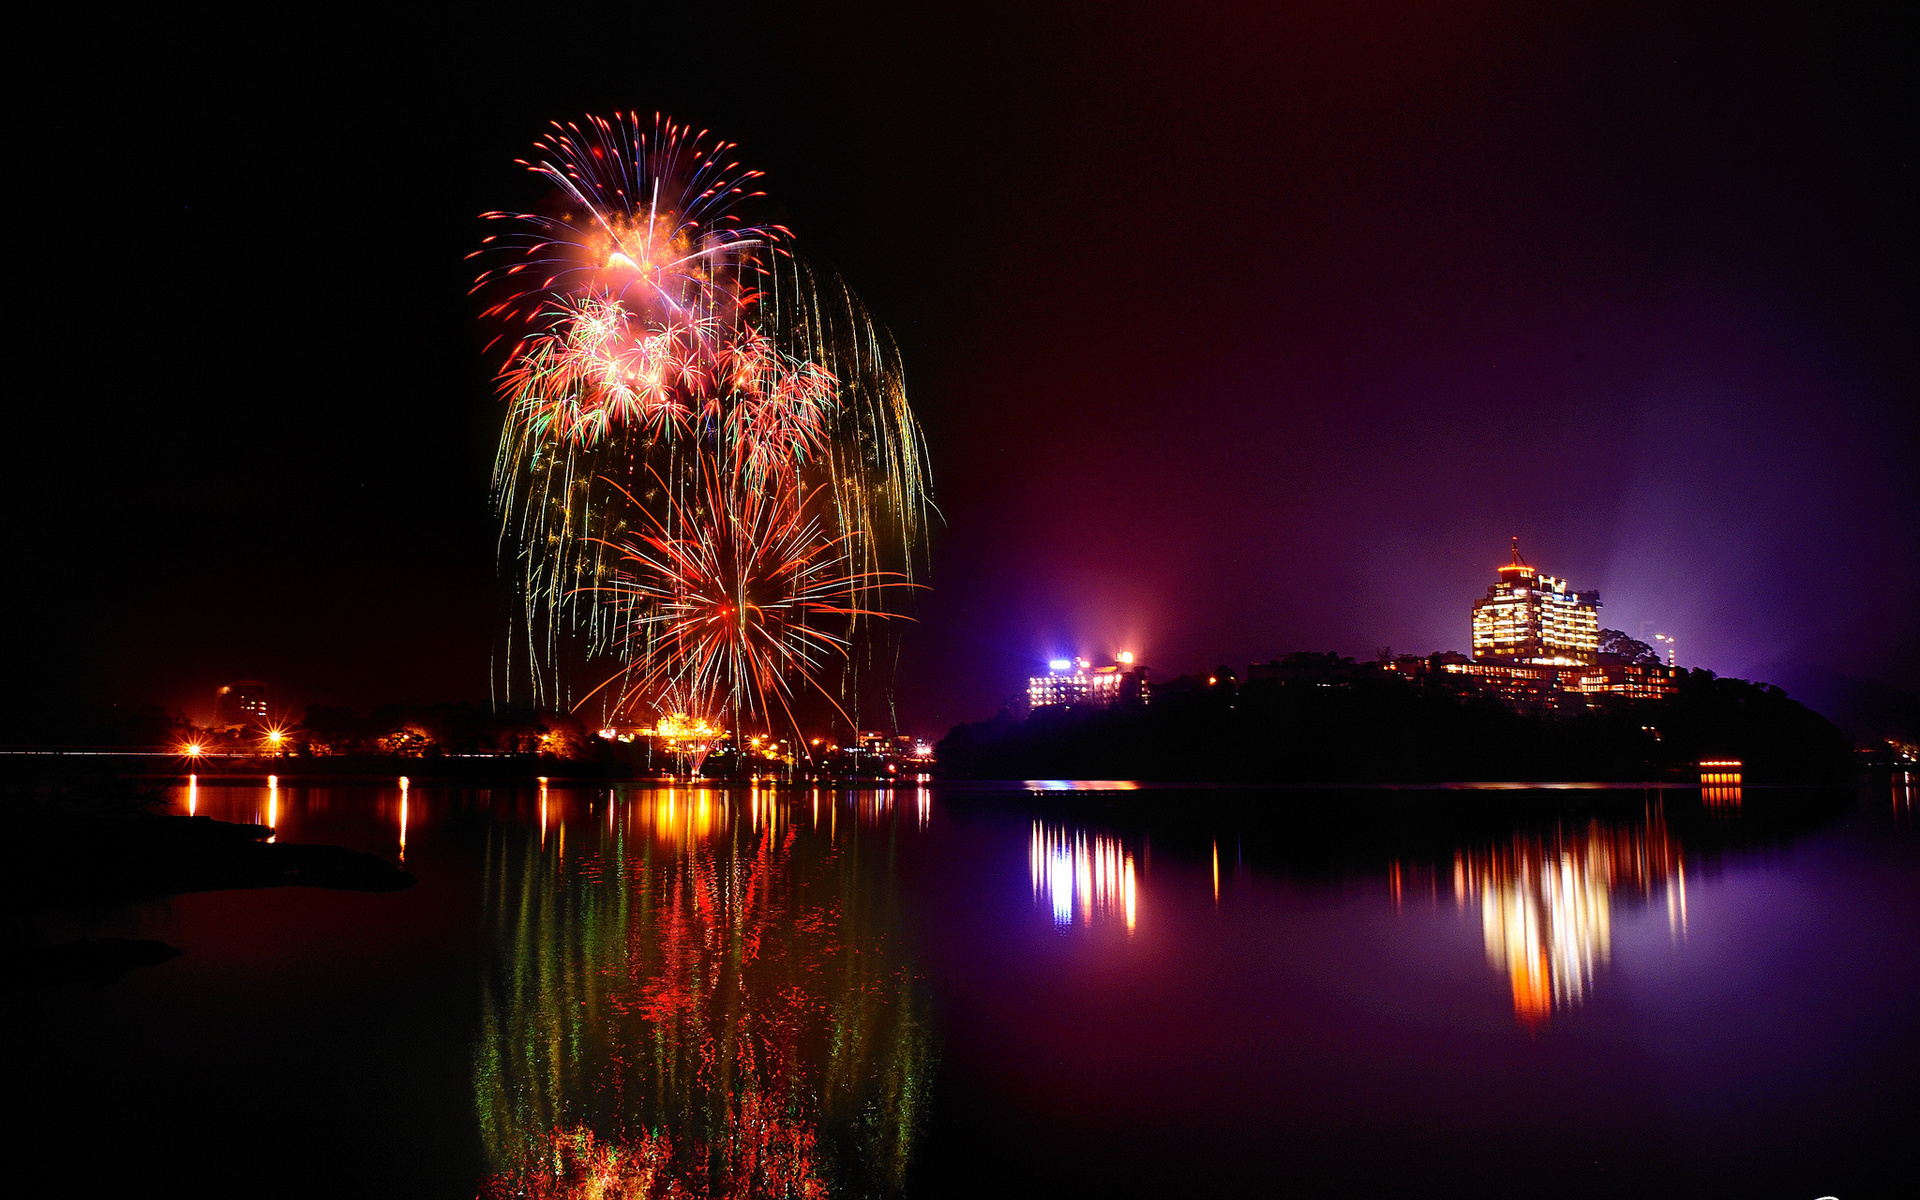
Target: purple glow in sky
[(1235, 331)]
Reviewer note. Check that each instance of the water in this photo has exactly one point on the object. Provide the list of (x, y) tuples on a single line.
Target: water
[(1029, 992)]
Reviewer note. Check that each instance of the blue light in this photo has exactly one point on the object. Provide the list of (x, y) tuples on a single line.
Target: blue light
[(1060, 664)]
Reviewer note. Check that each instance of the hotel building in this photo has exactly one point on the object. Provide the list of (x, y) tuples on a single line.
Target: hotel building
[(242, 702), (1076, 682), (1536, 619)]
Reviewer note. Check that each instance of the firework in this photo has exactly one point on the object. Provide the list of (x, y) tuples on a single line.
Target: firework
[(689, 407), (734, 593)]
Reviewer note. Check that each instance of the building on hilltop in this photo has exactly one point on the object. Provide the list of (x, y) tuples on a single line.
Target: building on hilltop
[(1535, 619), (1521, 684), (1540, 686), (1537, 685), (1635, 681), (242, 702), (1078, 683)]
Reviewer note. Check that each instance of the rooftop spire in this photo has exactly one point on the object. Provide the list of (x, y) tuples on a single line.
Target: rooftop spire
[(1518, 564)]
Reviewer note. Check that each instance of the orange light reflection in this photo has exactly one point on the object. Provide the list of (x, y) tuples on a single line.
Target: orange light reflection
[(1546, 904)]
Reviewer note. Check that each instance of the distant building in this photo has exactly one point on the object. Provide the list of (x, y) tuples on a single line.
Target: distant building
[(1535, 619), (1530, 685), (1521, 684), (892, 752), (243, 702), (1077, 683), (1411, 667), (1635, 681)]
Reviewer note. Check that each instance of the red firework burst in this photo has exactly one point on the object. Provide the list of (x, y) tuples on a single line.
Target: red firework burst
[(736, 595)]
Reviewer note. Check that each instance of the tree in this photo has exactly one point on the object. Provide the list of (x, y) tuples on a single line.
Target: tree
[(1632, 651)]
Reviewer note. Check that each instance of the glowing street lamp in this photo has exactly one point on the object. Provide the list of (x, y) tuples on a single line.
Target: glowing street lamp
[(1671, 644)]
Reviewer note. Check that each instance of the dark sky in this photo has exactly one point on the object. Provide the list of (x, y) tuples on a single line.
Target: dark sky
[(1234, 330)]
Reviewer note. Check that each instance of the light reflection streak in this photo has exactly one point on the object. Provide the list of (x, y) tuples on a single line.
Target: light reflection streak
[(273, 806), (1094, 876), (706, 1000), (1720, 785), (1546, 903), (193, 794)]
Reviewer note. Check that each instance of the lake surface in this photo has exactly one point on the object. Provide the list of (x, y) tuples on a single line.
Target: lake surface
[(1015, 991)]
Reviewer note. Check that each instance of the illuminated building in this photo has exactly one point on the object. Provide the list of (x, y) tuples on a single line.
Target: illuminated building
[(1411, 667), (869, 753), (895, 751), (1539, 685), (1522, 684), (1077, 683), (1635, 681), (1532, 618), (243, 702)]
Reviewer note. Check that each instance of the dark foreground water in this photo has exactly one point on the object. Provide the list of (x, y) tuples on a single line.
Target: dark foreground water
[(598, 992)]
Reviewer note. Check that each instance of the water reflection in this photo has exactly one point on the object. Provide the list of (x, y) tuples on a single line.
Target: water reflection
[(696, 994), (1720, 784), (1082, 876), (1546, 902)]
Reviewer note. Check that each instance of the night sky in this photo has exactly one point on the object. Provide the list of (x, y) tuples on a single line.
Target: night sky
[(1234, 331)]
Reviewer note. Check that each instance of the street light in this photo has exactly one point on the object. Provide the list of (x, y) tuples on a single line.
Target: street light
[(1661, 637)]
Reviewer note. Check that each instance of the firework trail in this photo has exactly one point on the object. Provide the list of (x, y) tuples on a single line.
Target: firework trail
[(724, 612), (689, 406)]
